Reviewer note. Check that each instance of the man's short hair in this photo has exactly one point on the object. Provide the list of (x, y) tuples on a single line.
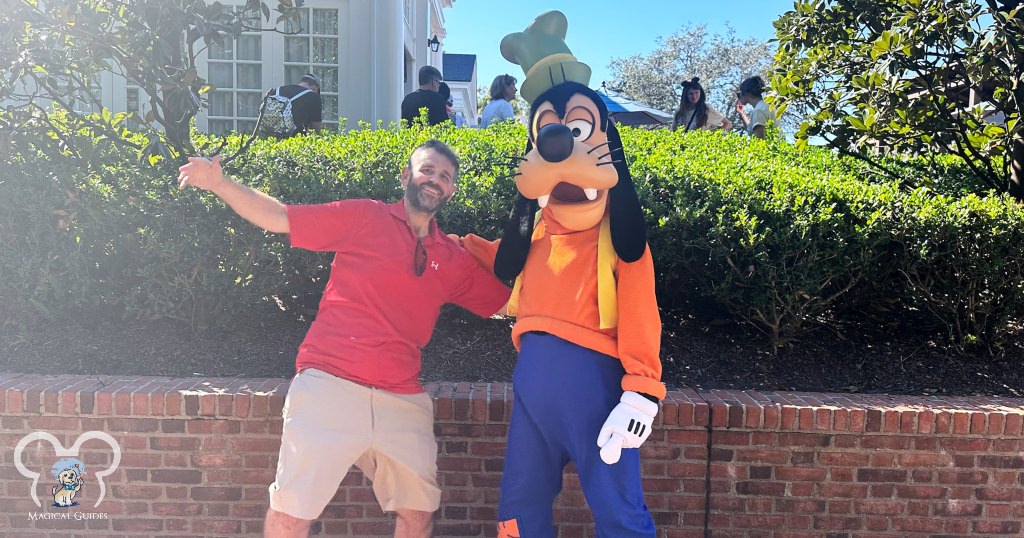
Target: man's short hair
[(428, 73), (441, 148), (310, 77)]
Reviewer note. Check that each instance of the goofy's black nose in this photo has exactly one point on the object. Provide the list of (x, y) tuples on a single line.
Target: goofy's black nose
[(554, 142)]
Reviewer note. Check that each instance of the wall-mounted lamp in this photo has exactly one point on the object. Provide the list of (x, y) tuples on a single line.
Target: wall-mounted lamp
[(433, 43)]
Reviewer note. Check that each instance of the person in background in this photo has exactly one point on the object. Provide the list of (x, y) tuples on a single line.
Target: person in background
[(356, 398), (426, 96), (694, 111), (446, 93), (503, 92), (761, 117), (301, 101)]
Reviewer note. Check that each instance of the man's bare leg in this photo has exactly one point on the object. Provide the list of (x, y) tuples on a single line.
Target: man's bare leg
[(281, 525), (414, 524)]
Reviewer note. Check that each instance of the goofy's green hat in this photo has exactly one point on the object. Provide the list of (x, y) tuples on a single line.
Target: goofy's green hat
[(541, 51)]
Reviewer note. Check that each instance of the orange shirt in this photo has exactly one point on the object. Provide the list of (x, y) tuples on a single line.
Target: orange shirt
[(558, 295)]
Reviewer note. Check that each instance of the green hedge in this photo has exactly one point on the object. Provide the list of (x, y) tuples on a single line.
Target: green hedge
[(781, 239)]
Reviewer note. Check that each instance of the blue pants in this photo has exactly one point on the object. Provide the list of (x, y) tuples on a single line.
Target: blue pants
[(562, 395)]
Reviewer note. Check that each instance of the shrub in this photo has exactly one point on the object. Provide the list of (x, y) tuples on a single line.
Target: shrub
[(772, 233), (962, 263), (781, 239)]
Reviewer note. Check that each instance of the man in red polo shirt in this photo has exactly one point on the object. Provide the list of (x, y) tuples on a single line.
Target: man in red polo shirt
[(356, 399)]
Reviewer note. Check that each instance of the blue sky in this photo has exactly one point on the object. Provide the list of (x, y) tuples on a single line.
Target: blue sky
[(599, 30)]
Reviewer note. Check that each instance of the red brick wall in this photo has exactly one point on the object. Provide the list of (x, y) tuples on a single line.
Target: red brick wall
[(198, 455)]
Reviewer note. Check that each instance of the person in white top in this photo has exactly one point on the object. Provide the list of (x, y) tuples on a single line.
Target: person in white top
[(694, 112), (503, 91), (761, 117)]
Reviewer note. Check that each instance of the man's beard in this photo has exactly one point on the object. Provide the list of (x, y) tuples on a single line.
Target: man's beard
[(423, 202)]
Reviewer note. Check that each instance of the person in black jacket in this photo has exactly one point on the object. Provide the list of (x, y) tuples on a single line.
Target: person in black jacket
[(425, 97), (307, 109)]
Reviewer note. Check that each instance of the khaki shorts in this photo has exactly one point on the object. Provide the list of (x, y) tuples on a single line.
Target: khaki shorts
[(331, 424)]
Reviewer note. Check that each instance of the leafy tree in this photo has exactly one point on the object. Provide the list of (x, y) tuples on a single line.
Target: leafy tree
[(721, 61), (55, 51), (897, 75)]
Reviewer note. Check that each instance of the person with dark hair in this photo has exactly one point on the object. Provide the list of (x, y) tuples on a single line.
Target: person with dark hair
[(291, 109), (694, 111), (449, 103), (356, 398), (426, 96), (761, 117), (503, 92)]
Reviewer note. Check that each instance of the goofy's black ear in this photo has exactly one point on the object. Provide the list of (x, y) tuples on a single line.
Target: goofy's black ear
[(629, 229), (516, 238)]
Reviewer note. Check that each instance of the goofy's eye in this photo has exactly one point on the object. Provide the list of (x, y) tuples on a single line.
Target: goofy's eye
[(581, 129)]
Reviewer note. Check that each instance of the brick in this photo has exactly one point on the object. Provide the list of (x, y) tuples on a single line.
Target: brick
[(805, 506), (921, 492), (880, 508), (957, 509), (978, 423), (908, 422), (838, 523), (890, 421), (961, 423), (176, 476), (804, 440), (873, 420), (858, 418), (216, 494), (1001, 462), (925, 421), (963, 477), (844, 459), (887, 442), (996, 421), (881, 475), (176, 509), (137, 525), (215, 527), (1014, 424), (1000, 494), (181, 444), (917, 525), (773, 489), (791, 474), (996, 527), (218, 427), (925, 460)]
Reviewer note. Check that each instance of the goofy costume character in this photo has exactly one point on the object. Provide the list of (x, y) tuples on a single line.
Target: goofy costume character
[(588, 380)]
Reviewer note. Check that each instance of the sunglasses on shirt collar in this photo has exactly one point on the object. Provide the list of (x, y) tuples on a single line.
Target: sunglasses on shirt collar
[(419, 258)]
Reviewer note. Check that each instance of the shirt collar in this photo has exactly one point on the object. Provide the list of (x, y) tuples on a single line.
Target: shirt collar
[(397, 210)]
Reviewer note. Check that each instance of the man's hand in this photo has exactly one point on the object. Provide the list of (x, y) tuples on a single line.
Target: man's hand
[(628, 426), (201, 172)]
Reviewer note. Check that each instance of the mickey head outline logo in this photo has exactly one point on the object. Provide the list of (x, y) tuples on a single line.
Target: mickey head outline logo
[(62, 452)]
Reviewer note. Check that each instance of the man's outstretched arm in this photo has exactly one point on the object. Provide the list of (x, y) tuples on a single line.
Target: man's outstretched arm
[(254, 206)]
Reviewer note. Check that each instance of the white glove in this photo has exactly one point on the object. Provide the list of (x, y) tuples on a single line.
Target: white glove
[(627, 426)]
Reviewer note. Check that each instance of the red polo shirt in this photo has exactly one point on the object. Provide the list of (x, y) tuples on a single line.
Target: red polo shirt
[(375, 313)]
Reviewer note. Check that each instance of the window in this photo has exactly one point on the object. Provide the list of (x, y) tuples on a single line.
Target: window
[(311, 46), (236, 72), (134, 95)]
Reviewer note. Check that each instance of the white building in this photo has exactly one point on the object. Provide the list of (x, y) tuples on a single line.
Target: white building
[(366, 52), (459, 72)]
